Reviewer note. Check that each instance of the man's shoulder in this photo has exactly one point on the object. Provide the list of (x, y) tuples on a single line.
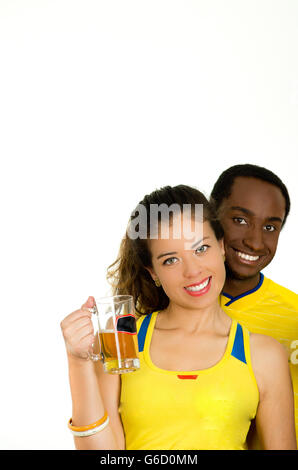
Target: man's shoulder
[(286, 295)]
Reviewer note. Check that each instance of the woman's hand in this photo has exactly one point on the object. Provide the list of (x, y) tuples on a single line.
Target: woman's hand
[(93, 391), (78, 332)]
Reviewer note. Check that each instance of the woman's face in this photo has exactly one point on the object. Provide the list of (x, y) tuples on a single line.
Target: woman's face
[(191, 271)]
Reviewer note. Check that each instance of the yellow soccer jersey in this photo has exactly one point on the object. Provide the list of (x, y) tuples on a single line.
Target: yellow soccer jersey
[(272, 310)]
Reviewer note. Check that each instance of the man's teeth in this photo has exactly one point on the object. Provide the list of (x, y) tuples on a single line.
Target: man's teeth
[(199, 286), (247, 257)]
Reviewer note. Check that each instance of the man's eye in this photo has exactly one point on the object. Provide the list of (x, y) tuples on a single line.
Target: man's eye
[(170, 261), (269, 228), (239, 220)]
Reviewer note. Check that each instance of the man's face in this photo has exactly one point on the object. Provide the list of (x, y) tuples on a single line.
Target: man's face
[(251, 217)]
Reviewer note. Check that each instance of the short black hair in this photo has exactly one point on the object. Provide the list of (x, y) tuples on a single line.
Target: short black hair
[(223, 186)]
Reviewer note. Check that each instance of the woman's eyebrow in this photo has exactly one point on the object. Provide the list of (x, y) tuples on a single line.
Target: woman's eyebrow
[(199, 241), (175, 252), (167, 254)]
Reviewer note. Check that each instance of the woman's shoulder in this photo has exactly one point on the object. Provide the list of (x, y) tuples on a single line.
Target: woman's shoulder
[(266, 346), (269, 360)]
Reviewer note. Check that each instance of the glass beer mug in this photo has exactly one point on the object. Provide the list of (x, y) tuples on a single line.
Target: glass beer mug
[(117, 334)]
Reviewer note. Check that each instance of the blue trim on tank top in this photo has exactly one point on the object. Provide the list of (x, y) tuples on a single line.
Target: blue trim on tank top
[(142, 332), (238, 350), (238, 346)]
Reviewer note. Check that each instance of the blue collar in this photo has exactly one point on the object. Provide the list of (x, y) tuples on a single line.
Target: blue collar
[(233, 299)]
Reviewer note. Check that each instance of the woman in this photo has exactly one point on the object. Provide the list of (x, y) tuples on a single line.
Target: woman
[(203, 377)]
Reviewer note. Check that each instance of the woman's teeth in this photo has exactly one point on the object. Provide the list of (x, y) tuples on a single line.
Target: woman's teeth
[(199, 286), (247, 257)]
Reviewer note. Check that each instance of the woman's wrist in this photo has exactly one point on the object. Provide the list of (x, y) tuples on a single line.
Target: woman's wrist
[(78, 361)]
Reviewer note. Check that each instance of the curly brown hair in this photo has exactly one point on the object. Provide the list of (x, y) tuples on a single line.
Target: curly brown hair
[(128, 274)]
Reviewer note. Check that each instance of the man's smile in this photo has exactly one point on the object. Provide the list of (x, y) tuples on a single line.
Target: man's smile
[(248, 258)]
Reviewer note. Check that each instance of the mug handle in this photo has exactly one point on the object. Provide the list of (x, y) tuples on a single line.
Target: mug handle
[(91, 355)]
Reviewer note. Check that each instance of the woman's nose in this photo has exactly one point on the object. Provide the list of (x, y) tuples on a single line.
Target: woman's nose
[(192, 267)]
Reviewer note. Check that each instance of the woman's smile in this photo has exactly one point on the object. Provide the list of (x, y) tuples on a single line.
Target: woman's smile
[(198, 289)]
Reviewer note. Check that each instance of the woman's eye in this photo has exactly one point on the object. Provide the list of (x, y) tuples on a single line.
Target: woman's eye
[(202, 249), (170, 261), (239, 220)]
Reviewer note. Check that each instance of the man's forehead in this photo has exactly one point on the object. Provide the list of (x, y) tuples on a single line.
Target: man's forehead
[(247, 188), (255, 195)]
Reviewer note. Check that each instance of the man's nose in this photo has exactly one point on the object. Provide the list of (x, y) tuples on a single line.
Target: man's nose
[(254, 238)]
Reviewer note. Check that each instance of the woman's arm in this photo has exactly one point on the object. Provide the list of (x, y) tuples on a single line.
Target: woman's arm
[(275, 419), (93, 391)]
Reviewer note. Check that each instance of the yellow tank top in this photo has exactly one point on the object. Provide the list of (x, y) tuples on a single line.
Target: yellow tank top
[(199, 409)]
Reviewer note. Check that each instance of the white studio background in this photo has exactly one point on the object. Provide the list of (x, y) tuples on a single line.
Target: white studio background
[(100, 103)]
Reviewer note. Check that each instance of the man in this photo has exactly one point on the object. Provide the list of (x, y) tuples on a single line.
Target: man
[(252, 204)]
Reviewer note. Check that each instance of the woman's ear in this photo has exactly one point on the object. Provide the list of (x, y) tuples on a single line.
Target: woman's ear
[(154, 277), (152, 273), (222, 246)]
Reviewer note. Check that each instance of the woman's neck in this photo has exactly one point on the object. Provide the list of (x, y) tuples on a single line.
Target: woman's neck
[(210, 318)]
